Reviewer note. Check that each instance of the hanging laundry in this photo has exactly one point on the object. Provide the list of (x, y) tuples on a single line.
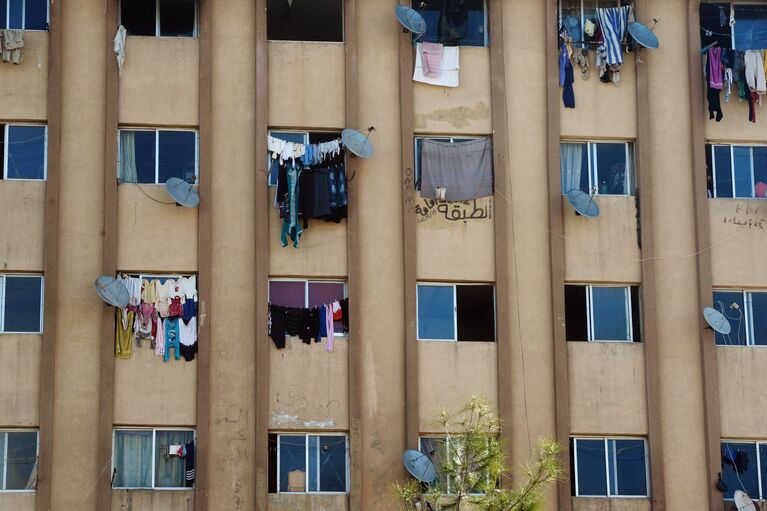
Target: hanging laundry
[(189, 465), (566, 78), (124, 332), (755, 71), (431, 59), (290, 226), (119, 47), (278, 324), (329, 326), (188, 338), (449, 75), (172, 339), (159, 337), (12, 45), (464, 169), (613, 22), (307, 323)]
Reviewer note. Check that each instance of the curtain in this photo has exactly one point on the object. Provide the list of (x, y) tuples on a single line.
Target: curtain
[(170, 471), (133, 459), (463, 169), (128, 172), (570, 158)]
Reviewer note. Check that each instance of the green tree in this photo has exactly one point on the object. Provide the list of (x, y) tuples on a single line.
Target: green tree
[(471, 464)]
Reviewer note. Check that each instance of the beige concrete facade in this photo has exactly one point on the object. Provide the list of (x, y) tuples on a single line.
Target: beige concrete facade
[(211, 83)]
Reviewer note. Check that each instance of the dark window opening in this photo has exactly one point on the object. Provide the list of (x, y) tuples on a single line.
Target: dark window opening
[(139, 17), (305, 20), (749, 32), (272, 463), (2, 151), (453, 22), (168, 18), (449, 312), (576, 324), (475, 306), (715, 24), (636, 314), (177, 18)]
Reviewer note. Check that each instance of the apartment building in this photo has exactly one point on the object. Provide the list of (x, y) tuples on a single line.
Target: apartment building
[(586, 329)]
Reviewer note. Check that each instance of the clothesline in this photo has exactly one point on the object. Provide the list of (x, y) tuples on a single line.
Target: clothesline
[(310, 154)]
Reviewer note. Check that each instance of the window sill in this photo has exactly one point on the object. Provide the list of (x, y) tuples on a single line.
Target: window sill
[(340, 43), (612, 497), (140, 488), (18, 491)]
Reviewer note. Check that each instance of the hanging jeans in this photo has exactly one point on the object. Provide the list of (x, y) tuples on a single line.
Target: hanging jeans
[(171, 339)]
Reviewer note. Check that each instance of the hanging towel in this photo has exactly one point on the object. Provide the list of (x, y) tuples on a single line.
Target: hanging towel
[(715, 78), (755, 71), (449, 68), (120, 47), (13, 44), (431, 58), (464, 169), (189, 468), (613, 22)]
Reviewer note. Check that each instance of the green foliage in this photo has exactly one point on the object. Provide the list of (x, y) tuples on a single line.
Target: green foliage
[(471, 465)]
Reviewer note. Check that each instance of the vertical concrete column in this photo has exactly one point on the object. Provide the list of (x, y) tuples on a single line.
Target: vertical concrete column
[(231, 439), (377, 188), (676, 279), (77, 471)]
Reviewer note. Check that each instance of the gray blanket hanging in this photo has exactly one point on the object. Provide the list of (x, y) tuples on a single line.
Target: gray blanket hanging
[(457, 171)]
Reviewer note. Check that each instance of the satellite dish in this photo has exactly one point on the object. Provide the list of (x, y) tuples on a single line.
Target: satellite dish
[(357, 142), (411, 20), (643, 35), (583, 203), (717, 320), (743, 502), (419, 465), (182, 192), (112, 291)]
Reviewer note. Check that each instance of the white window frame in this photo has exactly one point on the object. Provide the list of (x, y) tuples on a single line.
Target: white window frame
[(306, 291), (7, 148), (590, 312), (4, 455), (713, 146), (446, 439), (748, 315), (24, 15), (157, 152), (762, 491), (2, 302), (611, 3), (195, 29), (154, 431), (593, 164), (418, 140), (306, 462), (454, 285), (607, 468), (306, 134)]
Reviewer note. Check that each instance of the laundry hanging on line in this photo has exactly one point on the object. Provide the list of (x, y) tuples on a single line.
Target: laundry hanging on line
[(724, 68), (308, 323)]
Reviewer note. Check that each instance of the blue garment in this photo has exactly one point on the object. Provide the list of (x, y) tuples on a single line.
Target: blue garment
[(563, 58), (171, 339), (568, 95), (614, 22), (290, 225), (190, 310), (323, 321)]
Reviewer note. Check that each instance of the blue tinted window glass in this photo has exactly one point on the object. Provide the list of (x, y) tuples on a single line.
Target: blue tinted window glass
[(730, 303), (133, 459), (590, 467), (760, 171), (145, 156), (36, 15), (292, 463), (629, 474), (723, 179), (739, 470), (763, 460), (453, 22), (436, 317), (26, 152), (22, 455), (608, 305), (2, 459), (744, 186), (611, 166), (23, 303), (15, 17), (170, 472), (3, 17), (333, 464), (177, 155), (313, 458), (759, 319), (750, 27)]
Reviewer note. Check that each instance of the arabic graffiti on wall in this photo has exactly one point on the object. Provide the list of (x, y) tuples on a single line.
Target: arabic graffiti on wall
[(453, 211), (749, 216)]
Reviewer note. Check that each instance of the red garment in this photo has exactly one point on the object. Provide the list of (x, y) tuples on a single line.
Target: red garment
[(175, 309)]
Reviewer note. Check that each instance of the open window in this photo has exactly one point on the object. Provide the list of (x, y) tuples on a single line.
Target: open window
[(736, 171), (166, 18), (602, 313), (297, 137), (24, 14), (307, 294), (454, 22), (456, 312), (152, 156), (305, 20), (575, 13), (24, 149), (747, 313), (744, 467), (738, 26), (418, 146), (308, 463), (21, 304), (601, 168), (153, 458), (609, 467), (18, 458)]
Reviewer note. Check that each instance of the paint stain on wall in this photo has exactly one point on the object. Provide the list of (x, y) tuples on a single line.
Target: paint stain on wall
[(457, 117)]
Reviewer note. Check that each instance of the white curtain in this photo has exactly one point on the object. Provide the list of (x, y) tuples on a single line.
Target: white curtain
[(570, 156), (128, 173)]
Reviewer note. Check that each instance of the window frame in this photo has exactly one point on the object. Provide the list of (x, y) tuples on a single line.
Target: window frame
[(486, 30), (614, 3), (446, 439), (157, 152), (455, 285), (195, 29), (2, 302), (24, 17), (418, 144), (154, 431), (760, 482), (306, 134), (608, 468), (306, 435), (712, 146), (308, 281), (632, 182), (4, 458), (748, 316), (7, 148), (590, 313)]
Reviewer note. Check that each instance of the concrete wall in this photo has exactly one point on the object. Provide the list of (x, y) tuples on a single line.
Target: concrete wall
[(283, 502), (20, 384), (738, 238), (24, 87), (21, 225), (22, 501), (145, 500), (596, 504)]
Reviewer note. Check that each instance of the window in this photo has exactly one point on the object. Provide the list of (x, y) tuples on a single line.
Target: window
[(21, 297), (749, 32), (736, 171), (744, 467), (609, 467), (602, 313), (166, 18), (18, 457), (24, 151), (440, 450), (418, 144), (153, 156), (298, 137), (603, 168), (308, 463), (574, 13), (142, 458), (307, 294), (747, 313), (24, 14), (305, 20), (456, 312), (454, 22)]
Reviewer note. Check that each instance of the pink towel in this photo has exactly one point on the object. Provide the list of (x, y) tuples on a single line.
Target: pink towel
[(715, 68), (431, 59)]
